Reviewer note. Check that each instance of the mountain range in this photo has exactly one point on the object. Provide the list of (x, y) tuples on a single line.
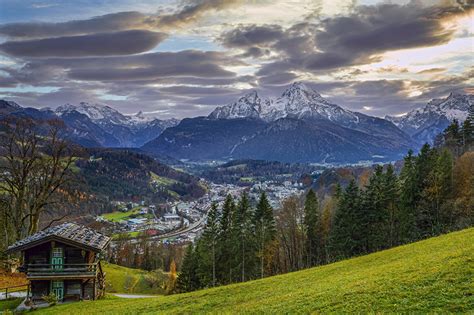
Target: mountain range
[(96, 125), (423, 124), (298, 126)]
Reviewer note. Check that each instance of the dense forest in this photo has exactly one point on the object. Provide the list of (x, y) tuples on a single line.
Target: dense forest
[(243, 172), (123, 174), (432, 194)]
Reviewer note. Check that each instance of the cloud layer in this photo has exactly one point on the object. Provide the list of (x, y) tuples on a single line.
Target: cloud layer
[(142, 60)]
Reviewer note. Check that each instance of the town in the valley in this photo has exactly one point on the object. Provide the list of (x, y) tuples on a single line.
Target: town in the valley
[(182, 221)]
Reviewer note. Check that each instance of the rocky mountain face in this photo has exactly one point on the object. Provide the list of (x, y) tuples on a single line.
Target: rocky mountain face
[(96, 125), (298, 126), (423, 124)]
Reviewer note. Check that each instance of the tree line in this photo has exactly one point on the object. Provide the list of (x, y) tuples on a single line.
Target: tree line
[(433, 193), (237, 245)]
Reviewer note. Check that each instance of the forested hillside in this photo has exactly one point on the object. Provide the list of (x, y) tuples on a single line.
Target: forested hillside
[(124, 175)]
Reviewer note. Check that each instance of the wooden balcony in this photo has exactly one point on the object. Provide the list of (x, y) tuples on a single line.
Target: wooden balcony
[(61, 271)]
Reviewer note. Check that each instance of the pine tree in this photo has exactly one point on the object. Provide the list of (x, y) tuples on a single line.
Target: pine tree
[(225, 244), (425, 163), (409, 199), (392, 199), (468, 132), (242, 231), (265, 230), (453, 137), (311, 223), (345, 240), (438, 191), (188, 279), (374, 212), (209, 241)]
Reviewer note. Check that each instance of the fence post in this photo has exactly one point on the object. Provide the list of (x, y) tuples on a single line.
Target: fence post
[(6, 293)]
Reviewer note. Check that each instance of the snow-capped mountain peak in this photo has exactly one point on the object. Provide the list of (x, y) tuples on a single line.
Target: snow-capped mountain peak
[(298, 101), (426, 122), (247, 106), (93, 111)]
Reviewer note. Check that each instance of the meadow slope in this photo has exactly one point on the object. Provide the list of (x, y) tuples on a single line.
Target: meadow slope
[(435, 275)]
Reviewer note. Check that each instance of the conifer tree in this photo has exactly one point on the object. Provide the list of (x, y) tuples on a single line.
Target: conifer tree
[(311, 223), (242, 232), (225, 247), (438, 191), (209, 241), (346, 234), (425, 163), (409, 198), (265, 230), (468, 132), (373, 212), (391, 190), (188, 279)]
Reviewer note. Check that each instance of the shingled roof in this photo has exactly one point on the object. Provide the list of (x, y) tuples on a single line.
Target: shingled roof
[(71, 233)]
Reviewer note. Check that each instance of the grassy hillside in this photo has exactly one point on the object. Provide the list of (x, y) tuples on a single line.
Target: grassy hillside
[(127, 280), (435, 275)]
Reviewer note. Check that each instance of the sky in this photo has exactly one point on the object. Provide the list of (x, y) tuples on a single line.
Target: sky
[(183, 58)]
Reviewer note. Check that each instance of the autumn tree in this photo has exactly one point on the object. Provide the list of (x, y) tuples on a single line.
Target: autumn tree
[(36, 167)]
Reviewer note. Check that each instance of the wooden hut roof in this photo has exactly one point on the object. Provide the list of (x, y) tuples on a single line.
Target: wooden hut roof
[(70, 233)]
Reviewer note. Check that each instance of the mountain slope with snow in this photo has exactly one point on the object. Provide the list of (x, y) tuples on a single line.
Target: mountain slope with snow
[(128, 130), (423, 124), (298, 126)]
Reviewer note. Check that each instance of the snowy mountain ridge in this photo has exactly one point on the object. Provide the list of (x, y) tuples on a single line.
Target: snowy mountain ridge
[(425, 123), (298, 101)]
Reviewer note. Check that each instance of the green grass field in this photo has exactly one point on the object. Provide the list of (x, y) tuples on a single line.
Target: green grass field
[(9, 304), (164, 181), (431, 276), (119, 215), (120, 279)]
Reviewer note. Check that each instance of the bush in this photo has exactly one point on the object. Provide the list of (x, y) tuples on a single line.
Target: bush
[(51, 299)]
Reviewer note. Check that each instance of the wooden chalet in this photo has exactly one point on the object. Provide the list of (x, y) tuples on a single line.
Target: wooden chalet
[(63, 260)]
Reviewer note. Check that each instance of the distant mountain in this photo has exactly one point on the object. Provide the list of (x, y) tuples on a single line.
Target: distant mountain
[(96, 125), (128, 130), (423, 124), (298, 126)]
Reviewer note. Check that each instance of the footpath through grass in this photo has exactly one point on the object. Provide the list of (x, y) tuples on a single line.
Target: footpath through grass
[(434, 276)]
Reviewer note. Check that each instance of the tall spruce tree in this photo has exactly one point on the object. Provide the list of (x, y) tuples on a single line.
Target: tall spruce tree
[(242, 235), (425, 163), (188, 279), (374, 212), (265, 231), (409, 199), (392, 200), (226, 248), (438, 191), (311, 224), (209, 241), (345, 239), (468, 132)]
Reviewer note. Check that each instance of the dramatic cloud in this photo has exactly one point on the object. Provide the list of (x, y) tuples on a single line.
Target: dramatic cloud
[(341, 41), (101, 24), (252, 35), (189, 66), (102, 44), (184, 57), (190, 12)]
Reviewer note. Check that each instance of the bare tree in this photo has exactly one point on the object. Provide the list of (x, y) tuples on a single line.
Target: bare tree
[(35, 167)]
